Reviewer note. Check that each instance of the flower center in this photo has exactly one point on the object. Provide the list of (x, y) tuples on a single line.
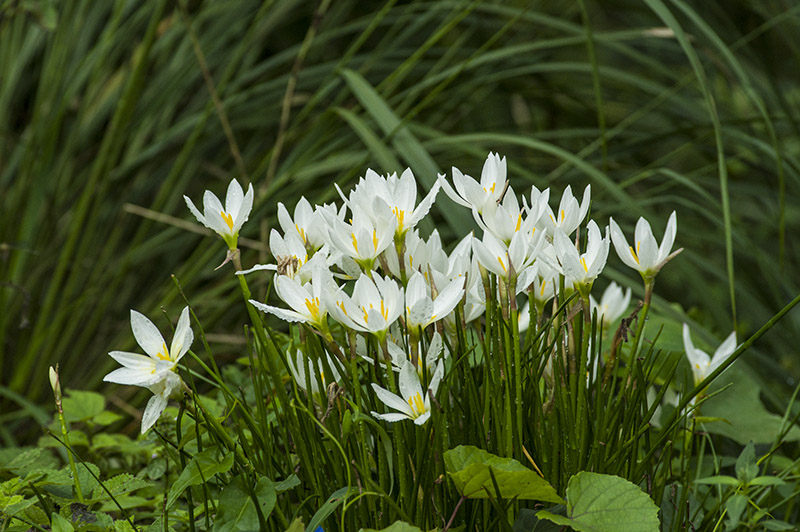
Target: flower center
[(228, 219), (416, 404)]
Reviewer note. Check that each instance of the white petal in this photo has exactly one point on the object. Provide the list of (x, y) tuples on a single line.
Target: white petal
[(257, 268), (286, 315), (423, 418), (213, 211), (621, 246), (233, 198), (133, 360), (408, 384), (155, 406), (129, 377), (195, 211), (182, 340), (244, 209), (669, 237), (391, 418), (393, 401), (147, 335), (724, 351)]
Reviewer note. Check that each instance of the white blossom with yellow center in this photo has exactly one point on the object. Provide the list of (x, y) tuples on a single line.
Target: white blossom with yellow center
[(702, 364), (646, 256), (412, 403), (478, 196), (157, 370), (225, 221)]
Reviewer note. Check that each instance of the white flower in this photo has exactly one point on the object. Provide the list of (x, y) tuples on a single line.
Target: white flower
[(363, 239), (474, 195), (412, 403), (570, 214), (373, 307), (506, 219), (613, 303), (308, 223), (436, 351), (421, 309), (647, 257), (156, 371), (308, 301), (495, 256), (702, 364), (399, 194), (581, 270), (225, 221)]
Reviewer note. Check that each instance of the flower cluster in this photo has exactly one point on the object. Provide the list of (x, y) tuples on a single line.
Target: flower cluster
[(361, 273)]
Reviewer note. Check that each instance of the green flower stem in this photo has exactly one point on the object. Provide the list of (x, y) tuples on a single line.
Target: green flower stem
[(65, 436)]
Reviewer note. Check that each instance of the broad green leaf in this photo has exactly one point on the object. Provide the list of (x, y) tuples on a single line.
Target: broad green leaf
[(336, 498), (80, 405), (200, 469), (740, 405), (746, 466), (60, 524), (469, 468), (605, 503), (11, 505), (119, 484), (767, 481), (734, 507), (397, 526), (777, 525), (236, 508)]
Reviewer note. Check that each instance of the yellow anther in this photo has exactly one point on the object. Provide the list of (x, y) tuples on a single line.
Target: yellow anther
[(635, 257), (355, 242), (302, 233), (163, 354), (502, 265), (228, 219), (384, 311), (541, 288), (583, 263), (375, 239), (341, 306), (563, 214), (313, 308), (400, 217), (416, 404), (519, 222)]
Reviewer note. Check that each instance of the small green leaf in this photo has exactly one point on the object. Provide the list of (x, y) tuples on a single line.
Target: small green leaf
[(117, 485), (767, 481), (236, 508), (777, 525), (81, 406), (201, 469), (296, 526), (288, 483), (734, 508), (605, 503), (719, 480), (746, 466), (397, 526), (60, 524), (471, 470), (336, 498)]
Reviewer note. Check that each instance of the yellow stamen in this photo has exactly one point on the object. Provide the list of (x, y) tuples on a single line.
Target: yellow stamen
[(355, 242), (562, 215), (163, 354), (411, 262), (519, 222), (583, 263), (228, 219), (366, 315), (416, 404), (500, 260), (375, 239), (302, 233), (636, 253), (313, 308), (384, 311), (541, 288), (341, 306), (400, 217)]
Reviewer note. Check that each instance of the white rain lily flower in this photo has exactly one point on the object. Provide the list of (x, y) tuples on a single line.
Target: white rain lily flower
[(499, 259), (506, 219), (570, 214), (421, 309), (363, 239), (310, 382), (157, 370), (647, 257), (398, 193), (702, 364), (308, 223), (225, 221), (373, 307), (308, 301), (613, 304), (412, 403), (544, 285), (469, 193), (581, 270), (419, 254)]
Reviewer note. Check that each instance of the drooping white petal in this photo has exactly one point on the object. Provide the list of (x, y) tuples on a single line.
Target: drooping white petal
[(393, 401), (129, 377), (155, 406)]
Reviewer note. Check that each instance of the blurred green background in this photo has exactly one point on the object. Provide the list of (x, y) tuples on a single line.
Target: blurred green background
[(111, 111)]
